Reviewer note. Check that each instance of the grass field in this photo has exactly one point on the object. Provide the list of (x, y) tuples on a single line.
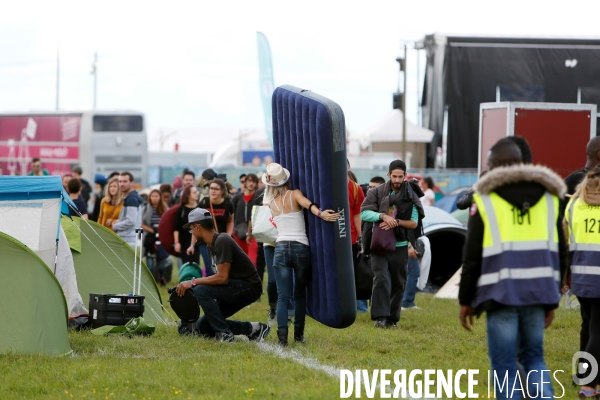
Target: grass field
[(167, 365)]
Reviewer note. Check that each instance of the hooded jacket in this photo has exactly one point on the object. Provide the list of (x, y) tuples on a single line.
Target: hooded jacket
[(130, 217), (521, 186)]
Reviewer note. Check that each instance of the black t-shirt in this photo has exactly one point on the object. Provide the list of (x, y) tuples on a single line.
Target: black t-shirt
[(222, 212), (243, 210), (81, 207), (86, 190), (181, 218), (225, 249)]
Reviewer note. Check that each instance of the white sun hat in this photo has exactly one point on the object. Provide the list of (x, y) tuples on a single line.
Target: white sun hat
[(276, 175)]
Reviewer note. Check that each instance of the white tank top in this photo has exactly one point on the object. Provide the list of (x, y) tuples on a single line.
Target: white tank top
[(290, 226)]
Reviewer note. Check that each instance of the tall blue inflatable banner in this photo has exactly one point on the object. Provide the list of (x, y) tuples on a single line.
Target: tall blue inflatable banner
[(265, 70)]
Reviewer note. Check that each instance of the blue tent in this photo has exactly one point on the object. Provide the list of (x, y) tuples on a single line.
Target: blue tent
[(448, 202), (30, 211)]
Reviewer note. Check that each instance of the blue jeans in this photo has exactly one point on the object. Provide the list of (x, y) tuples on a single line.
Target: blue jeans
[(220, 302), (362, 306), (513, 330), (206, 258), (161, 265), (291, 264), (414, 271), (269, 252)]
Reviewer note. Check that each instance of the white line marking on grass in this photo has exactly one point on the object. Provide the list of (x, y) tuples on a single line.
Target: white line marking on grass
[(311, 363), (287, 354)]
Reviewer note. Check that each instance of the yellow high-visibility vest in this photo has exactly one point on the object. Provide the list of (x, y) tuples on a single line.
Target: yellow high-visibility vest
[(520, 264), (583, 221)]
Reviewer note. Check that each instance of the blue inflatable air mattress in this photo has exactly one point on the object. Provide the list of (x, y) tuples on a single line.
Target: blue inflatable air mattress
[(309, 139)]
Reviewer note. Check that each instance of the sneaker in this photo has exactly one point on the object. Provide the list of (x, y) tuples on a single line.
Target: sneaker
[(411, 308), (186, 328), (391, 324), (272, 319), (381, 323), (261, 333), (224, 337)]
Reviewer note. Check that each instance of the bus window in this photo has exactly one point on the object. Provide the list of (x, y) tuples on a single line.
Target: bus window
[(118, 123)]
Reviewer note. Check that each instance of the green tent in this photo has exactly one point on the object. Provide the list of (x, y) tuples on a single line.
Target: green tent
[(104, 265), (33, 309), (461, 215)]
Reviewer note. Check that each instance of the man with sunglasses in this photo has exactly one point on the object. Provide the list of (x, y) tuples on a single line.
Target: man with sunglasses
[(234, 285), (36, 168)]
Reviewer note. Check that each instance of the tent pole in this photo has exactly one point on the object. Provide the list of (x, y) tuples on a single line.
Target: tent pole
[(140, 265), (135, 253), (56, 255)]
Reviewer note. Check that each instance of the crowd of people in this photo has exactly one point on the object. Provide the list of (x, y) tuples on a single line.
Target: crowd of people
[(530, 236), (526, 242)]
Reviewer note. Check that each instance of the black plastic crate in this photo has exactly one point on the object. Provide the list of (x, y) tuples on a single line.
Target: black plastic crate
[(114, 309)]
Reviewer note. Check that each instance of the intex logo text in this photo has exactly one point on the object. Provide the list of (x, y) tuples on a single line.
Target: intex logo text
[(342, 223)]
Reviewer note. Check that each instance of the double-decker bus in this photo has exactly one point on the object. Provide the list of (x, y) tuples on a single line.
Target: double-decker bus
[(99, 141)]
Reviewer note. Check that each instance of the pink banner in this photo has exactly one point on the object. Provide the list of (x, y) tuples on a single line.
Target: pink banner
[(54, 139), (43, 152), (41, 128)]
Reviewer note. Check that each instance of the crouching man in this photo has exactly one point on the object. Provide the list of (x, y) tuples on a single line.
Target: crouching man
[(234, 285)]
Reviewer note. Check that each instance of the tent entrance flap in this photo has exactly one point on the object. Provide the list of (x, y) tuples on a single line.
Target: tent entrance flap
[(34, 223), (446, 258)]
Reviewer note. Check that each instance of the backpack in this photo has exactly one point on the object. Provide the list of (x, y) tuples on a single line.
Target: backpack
[(165, 230), (418, 231), (176, 196)]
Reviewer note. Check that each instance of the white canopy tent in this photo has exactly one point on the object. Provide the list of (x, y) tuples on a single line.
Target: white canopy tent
[(389, 129), (385, 135)]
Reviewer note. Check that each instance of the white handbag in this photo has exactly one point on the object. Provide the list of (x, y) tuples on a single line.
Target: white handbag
[(264, 228)]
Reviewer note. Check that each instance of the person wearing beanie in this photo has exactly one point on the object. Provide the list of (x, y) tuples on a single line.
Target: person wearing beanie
[(384, 206)]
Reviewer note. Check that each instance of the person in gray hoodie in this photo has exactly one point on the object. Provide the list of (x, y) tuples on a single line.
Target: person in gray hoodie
[(130, 216)]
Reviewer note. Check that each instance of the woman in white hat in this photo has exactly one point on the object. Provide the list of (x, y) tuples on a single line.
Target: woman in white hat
[(292, 255)]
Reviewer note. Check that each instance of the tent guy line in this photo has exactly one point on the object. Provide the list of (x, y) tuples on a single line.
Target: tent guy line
[(126, 266), (121, 275)]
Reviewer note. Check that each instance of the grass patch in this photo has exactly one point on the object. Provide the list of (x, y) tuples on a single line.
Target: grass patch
[(167, 365)]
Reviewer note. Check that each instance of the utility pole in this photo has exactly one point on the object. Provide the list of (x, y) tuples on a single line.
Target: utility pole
[(403, 68), (57, 72), (399, 99), (95, 73)]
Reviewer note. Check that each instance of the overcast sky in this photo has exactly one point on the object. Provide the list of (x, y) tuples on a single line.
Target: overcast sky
[(194, 64)]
